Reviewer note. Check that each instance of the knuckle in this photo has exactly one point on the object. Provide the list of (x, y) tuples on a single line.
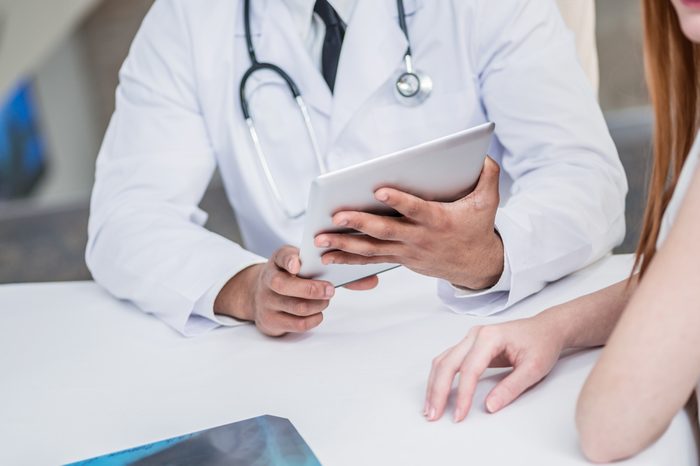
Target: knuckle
[(276, 282), (441, 364), (340, 242), (468, 378), (441, 219), (299, 308), (412, 209), (308, 324), (299, 326), (537, 363), (355, 223), (315, 321), (388, 232), (369, 252), (311, 290), (422, 242), (262, 319), (490, 333), (474, 332)]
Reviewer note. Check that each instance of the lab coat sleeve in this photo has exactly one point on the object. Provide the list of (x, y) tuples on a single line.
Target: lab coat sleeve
[(147, 243), (566, 204)]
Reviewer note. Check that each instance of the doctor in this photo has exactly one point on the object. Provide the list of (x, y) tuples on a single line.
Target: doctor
[(273, 92)]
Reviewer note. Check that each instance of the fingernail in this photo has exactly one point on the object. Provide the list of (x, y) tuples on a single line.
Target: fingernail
[(342, 222), (330, 291), (493, 404), (290, 263), (324, 244), (457, 416), (382, 196), (432, 413)]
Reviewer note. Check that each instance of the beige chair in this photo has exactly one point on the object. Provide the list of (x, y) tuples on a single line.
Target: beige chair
[(579, 15)]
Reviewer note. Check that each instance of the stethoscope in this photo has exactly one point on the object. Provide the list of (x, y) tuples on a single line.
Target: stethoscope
[(412, 87)]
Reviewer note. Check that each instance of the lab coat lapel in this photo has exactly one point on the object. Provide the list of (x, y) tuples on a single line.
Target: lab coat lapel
[(373, 50), (277, 41)]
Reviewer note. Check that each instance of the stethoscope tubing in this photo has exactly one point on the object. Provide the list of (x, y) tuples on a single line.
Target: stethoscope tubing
[(412, 97)]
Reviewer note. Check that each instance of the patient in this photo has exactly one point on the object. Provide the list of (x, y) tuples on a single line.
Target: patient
[(650, 323)]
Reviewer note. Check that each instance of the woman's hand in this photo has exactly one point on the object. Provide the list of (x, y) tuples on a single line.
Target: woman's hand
[(531, 346)]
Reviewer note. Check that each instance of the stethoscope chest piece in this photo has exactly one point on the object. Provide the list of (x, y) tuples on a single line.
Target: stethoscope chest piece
[(413, 88)]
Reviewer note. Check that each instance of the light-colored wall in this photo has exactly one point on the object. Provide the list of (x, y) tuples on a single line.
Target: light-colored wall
[(75, 88), (29, 30), (65, 95), (620, 52)]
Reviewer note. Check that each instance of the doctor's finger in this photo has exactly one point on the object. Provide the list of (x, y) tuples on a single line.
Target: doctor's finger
[(406, 204), (285, 284), (363, 284), (377, 226), (281, 322), (361, 245), (287, 258), (298, 306), (346, 258)]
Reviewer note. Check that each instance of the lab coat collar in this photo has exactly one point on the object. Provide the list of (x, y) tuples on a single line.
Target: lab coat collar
[(373, 50), (277, 41)]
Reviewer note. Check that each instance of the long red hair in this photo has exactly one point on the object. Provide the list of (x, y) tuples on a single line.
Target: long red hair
[(671, 67)]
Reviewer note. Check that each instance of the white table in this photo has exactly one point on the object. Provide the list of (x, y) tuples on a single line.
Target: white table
[(84, 374)]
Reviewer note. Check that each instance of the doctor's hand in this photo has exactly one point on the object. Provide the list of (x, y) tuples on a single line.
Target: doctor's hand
[(455, 241), (279, 302), (530, 346)]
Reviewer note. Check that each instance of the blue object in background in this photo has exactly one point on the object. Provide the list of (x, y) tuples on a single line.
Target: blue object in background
[(22, 149)]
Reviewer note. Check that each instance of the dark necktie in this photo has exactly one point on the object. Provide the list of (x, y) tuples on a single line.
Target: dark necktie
[(335, 33)]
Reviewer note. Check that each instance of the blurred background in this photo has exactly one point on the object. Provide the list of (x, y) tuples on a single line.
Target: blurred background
[(59, 61)]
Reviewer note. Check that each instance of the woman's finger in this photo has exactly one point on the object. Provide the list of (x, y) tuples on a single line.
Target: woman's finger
[(442, 375), (523, 377), (486, 347)]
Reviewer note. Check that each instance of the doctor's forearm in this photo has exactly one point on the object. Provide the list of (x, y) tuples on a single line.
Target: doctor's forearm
[(235, 298)]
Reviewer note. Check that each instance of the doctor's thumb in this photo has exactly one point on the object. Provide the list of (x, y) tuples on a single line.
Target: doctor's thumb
[(490, 174), (485, 194), (287, 258)]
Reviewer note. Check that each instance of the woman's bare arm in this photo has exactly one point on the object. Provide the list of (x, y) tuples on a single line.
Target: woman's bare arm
[(652, 361)]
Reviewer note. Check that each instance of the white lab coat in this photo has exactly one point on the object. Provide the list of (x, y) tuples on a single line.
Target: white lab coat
[(178, 117)]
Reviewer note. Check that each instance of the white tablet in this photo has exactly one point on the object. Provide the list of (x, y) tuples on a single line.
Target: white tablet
[(445, 169)]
